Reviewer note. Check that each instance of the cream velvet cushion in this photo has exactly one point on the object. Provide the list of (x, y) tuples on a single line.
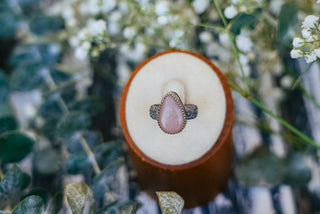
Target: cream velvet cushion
[(196, 83)]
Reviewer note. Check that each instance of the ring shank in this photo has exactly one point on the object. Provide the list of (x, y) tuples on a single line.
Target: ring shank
[(190, 110)]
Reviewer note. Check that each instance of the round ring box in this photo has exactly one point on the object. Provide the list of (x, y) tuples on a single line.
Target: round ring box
[(196, 162)]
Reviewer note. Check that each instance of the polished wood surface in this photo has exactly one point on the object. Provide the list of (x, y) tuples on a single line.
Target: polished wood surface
[(199, 181)]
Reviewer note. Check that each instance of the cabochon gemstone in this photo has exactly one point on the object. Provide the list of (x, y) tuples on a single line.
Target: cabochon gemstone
[(171, 116)]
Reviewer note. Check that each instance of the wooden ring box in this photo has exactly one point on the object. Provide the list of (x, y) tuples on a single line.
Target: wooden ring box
[(197, 180)]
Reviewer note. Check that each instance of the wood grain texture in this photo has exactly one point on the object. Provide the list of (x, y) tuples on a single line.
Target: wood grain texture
[(199, 181)]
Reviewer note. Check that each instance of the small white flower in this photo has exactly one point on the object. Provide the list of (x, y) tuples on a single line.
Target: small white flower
[(108, 5), (306, 33), (275, 6), (96, 27), (84, 8), (297, 42), (71, 22), (135, 54), (80, 54), (286, 82), (244, 43), (200, 5), (296, 54), (176, 38), (317, 51), (230, 12), (113, 26), (244, 60), (224, 40), (55, 9), (123, 7), (93, 7), (163, 20), (30, 110), (205, 37), (310, 21), (162, 8), (82, 51), (83, 34), (128, 32), (310, 57), (67, 12), (311, 38), (74, 41), (86, 45)]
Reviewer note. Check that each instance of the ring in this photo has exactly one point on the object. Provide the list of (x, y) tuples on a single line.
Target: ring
[(171, 114)]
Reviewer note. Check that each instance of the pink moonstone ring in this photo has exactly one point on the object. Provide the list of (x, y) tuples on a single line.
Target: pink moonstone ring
[(171, 114)]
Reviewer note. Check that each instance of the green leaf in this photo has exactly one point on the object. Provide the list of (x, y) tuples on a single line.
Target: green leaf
[(45, 54), (8, 123), (243, 20), (28, 7), (39, 192), (14, 146), (106, 183), (80, 198), (297, 171), (28, 77), (12, 185), (7, 120), (42, 24), (50, 107), (261, 168), (9, 23), (31, 205), (55, 204), (108, 152), (4, 87), (170, 202), (77, 163), (47, 161), (90, 105), (288, 20), (73, 122)]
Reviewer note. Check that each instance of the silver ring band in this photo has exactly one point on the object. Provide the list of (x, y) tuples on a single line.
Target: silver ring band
[(191, 111)]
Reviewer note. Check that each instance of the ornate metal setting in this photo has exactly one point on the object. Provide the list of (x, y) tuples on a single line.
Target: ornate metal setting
[(188, 112)]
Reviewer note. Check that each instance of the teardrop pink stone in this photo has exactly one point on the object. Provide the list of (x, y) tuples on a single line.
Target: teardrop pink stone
[(171, 118)]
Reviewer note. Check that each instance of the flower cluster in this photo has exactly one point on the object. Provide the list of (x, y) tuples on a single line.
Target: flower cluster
[(94, 32), (94, 25), (307, 46), (242, 6)]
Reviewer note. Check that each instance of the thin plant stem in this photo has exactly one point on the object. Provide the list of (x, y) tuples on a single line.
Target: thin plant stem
[(270, 20), (237, 55), (310, 96), (52, 85), (90, 155), (294, 85), (286, 124), (223, 19), (246, 94), (233, 45)]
